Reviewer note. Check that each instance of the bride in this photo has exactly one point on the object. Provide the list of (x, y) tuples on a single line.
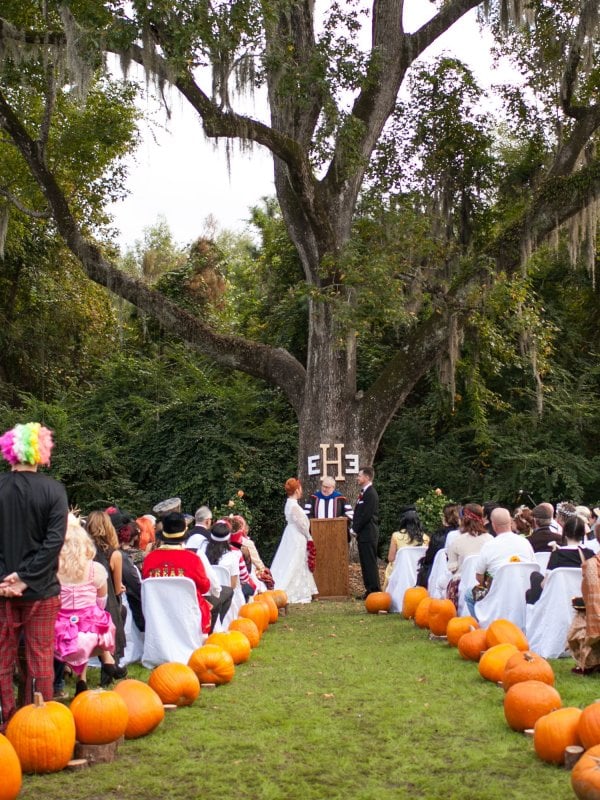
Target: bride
[(290, 567)]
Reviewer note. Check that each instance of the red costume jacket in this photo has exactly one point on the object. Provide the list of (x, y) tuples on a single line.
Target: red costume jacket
[(179, 563)]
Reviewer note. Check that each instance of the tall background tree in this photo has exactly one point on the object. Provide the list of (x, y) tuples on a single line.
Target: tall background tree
[(333, 90)]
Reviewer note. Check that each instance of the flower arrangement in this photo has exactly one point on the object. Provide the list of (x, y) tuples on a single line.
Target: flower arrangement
[(430, 508)]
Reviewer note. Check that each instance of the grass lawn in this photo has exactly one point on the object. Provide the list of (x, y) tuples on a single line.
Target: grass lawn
[(335, 704)]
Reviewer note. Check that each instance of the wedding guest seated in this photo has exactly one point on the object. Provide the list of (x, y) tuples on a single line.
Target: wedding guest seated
[(171, 559), (523, 521), (505, 547), (246, 582), (571, 554), (258, 571), (199, 535), (450, 524), (83, 627), (584, 634), (543, 535), (128, 536), (411, 534), (147, 528), (472, 538)]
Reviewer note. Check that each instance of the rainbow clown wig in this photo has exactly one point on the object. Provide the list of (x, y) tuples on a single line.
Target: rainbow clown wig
[(27, 444)]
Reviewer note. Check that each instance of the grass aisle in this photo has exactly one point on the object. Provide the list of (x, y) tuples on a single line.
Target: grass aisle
[(335, 704)]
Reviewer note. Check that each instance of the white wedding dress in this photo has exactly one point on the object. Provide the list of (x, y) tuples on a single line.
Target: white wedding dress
[(290, 568)]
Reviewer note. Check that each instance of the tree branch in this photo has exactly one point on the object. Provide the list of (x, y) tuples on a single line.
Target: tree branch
[(557, 200), (30, 212), (274, 365)]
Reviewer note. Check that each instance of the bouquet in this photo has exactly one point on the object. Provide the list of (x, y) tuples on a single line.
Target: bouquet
[(311, 555)]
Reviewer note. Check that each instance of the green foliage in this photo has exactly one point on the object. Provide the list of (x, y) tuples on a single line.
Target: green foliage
[(430, 508)]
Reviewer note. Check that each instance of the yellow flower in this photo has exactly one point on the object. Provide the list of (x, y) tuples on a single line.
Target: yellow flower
[(240, 493), (438, 492), (230, 504), (514, 559)]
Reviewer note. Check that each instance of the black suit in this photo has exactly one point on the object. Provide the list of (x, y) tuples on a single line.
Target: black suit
[(366, 526)]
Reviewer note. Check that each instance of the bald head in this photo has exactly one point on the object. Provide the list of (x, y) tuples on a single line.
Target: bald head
[(501, 521)]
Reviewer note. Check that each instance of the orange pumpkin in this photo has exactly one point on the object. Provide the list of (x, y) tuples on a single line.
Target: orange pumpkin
[(271, 605), (412, 598), (43, 735), (248, 628), (258, 613), (146, 710), (378, 601), (589, 725), (503, 630), (100, 716), (527, 701), (280, 597), (585, 775), (457, 626), (212, 664), (422, 613), (175, 684), (471, 645), (236, 643), (440, 613), (493, 661), (527, 666), (554, 732), (12, 776)]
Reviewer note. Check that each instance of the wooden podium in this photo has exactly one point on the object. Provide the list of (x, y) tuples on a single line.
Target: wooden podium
[(331, 570)]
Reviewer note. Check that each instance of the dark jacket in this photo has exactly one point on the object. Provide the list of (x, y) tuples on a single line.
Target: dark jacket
[(33, 523), (365, 522), (541, 537)]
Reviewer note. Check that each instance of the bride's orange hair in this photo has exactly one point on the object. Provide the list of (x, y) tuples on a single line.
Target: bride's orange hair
[(291, 486)]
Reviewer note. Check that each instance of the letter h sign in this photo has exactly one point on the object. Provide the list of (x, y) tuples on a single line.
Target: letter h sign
[(316, 468)]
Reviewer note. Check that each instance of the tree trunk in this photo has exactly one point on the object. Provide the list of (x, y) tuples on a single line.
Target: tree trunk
[(331, 440)]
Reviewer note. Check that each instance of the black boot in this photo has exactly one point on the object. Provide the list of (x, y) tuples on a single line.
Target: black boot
[(111, 672), (80, 686)]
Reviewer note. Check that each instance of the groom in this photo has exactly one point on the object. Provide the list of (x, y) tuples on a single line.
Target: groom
[(366, 526)]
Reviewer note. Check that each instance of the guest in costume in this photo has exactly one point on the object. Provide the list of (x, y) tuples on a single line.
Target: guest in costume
[(584, 633), (33, 522), (290, 569), (171, 559), (365, 524), (83, 627)]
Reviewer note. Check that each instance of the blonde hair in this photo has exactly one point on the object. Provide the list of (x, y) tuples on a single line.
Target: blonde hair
[(102, 531), (76, 553)]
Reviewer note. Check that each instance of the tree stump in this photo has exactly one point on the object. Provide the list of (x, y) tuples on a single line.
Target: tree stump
[(75, 764), (572, 755), (96, 753)]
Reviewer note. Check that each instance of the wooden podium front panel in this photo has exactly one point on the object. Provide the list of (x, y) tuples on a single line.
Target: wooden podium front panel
[(331, 543)]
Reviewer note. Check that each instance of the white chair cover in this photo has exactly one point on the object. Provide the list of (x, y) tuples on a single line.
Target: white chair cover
[(542, 560), (467, 581), (506, 598), (404, 574), (549, 619), (134, 638), (173, 621), (439, 575), (225, 580)]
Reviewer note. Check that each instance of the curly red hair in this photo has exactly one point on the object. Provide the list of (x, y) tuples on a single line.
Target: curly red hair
[(291, 486)]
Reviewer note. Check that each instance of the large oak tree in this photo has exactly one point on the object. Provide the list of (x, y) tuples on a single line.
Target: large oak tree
[(330, 97)]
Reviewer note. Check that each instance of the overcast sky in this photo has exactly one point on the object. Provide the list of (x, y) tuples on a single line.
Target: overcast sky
[(176, 173)]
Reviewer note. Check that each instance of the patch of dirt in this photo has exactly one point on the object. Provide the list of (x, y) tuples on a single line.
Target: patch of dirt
[(357, 586)]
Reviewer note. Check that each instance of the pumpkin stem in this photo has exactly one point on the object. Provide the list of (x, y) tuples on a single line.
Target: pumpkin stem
[(528, 657), (38, 699)]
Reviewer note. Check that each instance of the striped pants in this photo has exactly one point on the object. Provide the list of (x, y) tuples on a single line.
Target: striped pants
[(35, 620)]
